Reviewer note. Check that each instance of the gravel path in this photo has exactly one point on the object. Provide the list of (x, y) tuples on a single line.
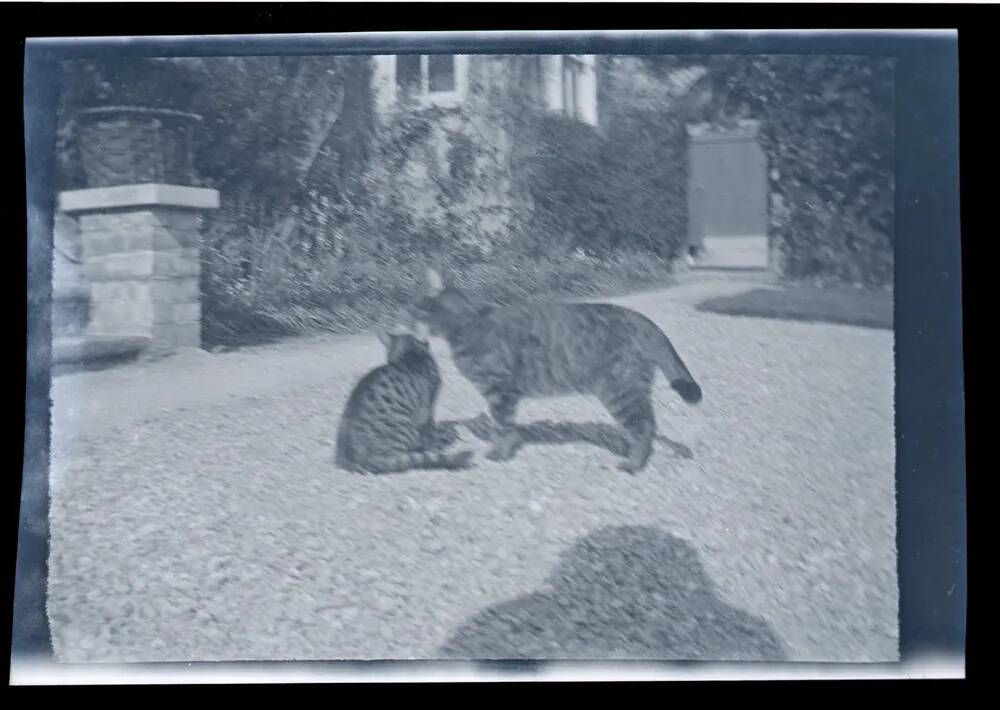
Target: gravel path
[(197, 514)]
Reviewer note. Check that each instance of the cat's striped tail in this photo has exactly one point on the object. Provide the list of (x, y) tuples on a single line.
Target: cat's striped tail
[(673, 367), (418, 459)]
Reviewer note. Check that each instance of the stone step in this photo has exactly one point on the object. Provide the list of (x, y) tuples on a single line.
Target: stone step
[(715, 273), (741, 252)]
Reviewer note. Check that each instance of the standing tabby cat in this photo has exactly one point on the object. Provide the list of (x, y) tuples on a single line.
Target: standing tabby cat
[(540, 350), (388, 423)]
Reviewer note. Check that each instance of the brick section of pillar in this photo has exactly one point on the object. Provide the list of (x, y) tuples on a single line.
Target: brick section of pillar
[(143, 264), (144, 268)]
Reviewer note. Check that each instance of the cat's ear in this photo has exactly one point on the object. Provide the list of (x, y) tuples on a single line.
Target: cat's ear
[(433, 282)]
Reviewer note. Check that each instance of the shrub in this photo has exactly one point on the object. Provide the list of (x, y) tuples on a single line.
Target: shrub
[(323, 224), (617, 187)]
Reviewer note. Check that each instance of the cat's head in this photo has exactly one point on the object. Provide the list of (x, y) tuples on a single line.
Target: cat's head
[(405, 337), (398, 345), (441, 306)]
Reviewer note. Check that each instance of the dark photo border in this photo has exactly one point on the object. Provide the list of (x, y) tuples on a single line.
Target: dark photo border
[(930, 393)]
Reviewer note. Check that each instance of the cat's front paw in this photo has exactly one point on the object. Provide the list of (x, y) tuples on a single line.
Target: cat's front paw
[(504, 448), (462, 459), (481, 427), (632, 467), (499, 454)]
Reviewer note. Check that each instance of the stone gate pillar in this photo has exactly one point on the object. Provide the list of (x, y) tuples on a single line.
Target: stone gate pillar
[(141, 258)]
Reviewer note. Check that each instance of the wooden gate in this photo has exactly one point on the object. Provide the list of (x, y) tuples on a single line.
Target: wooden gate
[(728, 197)]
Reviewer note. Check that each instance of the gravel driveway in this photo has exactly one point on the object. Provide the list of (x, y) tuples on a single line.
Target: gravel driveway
[(197, 514)]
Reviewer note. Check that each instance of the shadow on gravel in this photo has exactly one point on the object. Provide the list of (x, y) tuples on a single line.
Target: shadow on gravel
[(620, 593), (597, 434)]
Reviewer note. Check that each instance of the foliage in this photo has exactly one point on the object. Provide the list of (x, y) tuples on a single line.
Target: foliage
[(603, 192), (328, 215), (113, 80), (290, 180), (368, 291)]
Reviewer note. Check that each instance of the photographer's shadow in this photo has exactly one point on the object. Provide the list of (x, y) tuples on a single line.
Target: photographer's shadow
[(604, 436), (620, 593)]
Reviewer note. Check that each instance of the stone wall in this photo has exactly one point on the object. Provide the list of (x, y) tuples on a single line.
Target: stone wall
[(456, 173)]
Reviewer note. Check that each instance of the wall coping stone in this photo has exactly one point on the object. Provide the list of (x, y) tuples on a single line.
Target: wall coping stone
[(141, 195)]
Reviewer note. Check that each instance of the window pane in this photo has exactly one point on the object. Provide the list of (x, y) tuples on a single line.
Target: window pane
[(577, 93), (567, 87), (441, 68), (533, 79), (408, 72)]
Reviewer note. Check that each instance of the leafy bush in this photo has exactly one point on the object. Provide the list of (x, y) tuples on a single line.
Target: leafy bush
[(604, 191), (326, 223), (113, 80), (366, 286), (361, 294)]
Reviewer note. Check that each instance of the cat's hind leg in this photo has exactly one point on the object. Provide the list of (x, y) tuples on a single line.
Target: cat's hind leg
[(631, 406)]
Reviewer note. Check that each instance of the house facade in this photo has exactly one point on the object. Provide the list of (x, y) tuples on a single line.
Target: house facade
[(590, 153), (475, 107), (450, 135), (561, 83)]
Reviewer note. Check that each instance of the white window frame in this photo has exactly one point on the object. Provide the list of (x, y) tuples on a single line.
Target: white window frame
[(578, 101), (426, 97), (572, 79)]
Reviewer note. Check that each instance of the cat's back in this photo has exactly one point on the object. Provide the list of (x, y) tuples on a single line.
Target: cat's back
[(367, 388), (566, 323), (358, 406), (393, 386), (555, 347), (386, 399)]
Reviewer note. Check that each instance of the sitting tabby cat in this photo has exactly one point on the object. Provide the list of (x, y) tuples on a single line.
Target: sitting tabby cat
[(388, 423), (539, 350)]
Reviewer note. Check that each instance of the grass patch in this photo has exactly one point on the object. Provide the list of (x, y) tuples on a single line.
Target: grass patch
[(868, 308)]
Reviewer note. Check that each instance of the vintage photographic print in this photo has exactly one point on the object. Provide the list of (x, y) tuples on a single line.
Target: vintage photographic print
[(473, 356)]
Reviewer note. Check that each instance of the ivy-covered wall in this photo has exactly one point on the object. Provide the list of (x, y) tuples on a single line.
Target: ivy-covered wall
[(329, 211), (500, 171), (619, 187), (447, 169)]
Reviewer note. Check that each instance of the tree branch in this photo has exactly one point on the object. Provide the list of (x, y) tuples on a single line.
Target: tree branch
[(317, 144)]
